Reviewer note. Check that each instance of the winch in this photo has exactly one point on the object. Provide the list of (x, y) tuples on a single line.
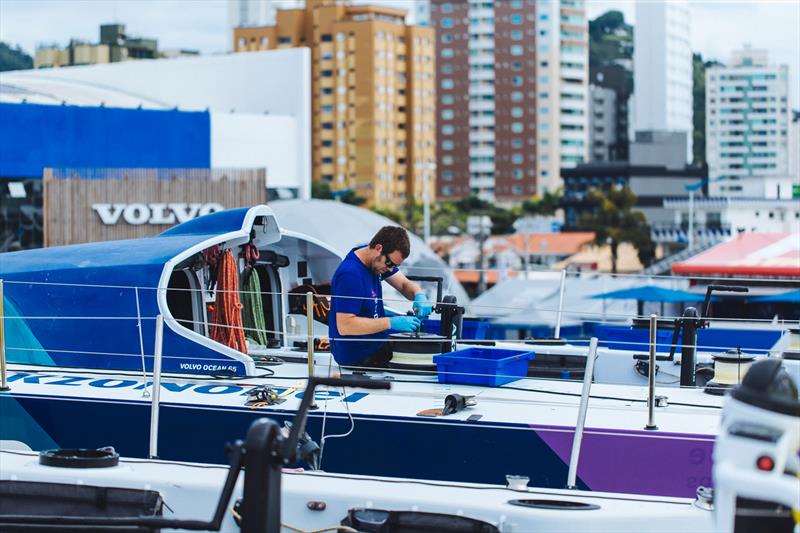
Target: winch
[(415, 350)]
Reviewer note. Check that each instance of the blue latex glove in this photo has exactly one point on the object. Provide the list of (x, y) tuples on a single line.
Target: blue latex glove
[(422, 307), (404, 323)]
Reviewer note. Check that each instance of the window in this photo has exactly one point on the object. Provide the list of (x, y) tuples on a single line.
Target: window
[(448, 129), (517, 159), (447, 145), (447, 114), (517, 127), (517, 174), (516, 19), (447, 99), (516, 81), (327, 143), (516, 50), (516, 65), (447, 83), (447, 8), (447, 191), (516, 112), (447, 175), (447, 68), (447, 160), (284, 40), (516, 35), (447, 52), (326, 38), (447, 38), (516, 143), (516, 96), (326, 108), (326, 73), (447, 22)]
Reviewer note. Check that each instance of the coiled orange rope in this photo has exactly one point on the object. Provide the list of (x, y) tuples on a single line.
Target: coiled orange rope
[(227, 320)]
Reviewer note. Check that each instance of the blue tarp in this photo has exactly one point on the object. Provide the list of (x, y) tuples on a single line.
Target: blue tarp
[(650, 293), (791, 297), (41, 136)]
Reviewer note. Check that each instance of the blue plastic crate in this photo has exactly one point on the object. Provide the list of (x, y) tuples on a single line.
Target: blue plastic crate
[(482, 366)]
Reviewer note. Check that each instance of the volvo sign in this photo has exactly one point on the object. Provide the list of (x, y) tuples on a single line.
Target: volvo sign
[(155, 213)]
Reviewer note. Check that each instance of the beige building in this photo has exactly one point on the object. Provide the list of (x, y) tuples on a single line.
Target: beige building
[(76, 53), (373, 96)]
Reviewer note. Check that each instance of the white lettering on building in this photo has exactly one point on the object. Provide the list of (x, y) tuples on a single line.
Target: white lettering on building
[(138, 214)]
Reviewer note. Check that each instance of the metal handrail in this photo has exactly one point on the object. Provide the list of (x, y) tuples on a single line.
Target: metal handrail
[(584, 405)]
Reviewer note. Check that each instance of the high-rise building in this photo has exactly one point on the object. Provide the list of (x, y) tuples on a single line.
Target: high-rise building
[(511, 77), (610, 87), (662, 58), (747, 124), (254, 13), (373, 96), (603, 124), (562, 74)]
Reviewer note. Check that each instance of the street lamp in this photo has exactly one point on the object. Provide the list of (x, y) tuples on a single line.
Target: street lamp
[(480, 227)]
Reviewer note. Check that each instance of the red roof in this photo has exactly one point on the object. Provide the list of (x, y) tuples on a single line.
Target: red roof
[(551, 243), (749, 254)]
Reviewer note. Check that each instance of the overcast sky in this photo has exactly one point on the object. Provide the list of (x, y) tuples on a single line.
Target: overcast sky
[(718, 26)]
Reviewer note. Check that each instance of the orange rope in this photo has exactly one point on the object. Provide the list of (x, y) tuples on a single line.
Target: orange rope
[(227, 318)]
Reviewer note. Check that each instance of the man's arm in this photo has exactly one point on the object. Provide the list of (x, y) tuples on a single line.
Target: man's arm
[(350, 324), (404, 286)]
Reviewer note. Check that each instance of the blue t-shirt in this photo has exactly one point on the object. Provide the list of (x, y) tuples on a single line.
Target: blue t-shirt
[(362, 295)]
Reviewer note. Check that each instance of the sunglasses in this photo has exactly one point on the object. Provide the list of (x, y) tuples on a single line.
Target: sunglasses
[(389, 262)]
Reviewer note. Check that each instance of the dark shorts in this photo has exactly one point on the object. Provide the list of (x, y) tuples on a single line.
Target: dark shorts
[(379, 359)]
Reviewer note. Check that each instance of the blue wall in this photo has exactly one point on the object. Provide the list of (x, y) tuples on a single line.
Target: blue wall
[(33, 137)]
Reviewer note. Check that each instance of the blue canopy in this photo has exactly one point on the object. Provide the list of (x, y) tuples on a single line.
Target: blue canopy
[(650, 293), (790, 296)]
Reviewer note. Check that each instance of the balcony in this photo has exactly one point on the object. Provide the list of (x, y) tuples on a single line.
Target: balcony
[(679, 233)]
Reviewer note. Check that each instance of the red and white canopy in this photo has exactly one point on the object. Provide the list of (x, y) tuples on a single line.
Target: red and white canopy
[(749, 254)]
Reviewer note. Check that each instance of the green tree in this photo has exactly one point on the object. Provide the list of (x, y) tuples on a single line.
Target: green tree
[(322, 191), (614, 221), (699, 107), (546, 204), (610, 39), (14, 58)]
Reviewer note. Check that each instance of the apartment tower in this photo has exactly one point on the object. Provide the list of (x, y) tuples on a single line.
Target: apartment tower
[(373, 101), (562, 73), (747, 125), (662, 59), (512, 95)]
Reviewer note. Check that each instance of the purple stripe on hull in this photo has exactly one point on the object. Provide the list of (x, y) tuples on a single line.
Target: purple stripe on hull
[(640, 462)]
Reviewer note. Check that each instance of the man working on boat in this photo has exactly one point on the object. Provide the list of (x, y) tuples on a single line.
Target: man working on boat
[(358, 323)]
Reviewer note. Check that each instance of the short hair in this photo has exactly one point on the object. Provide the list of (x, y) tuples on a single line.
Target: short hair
[(392, 238)]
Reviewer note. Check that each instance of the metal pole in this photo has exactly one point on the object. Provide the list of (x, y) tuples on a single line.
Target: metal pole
[(155, 406), (481, 264), (426, 209), (578, 438), (557, 333), (651, 376), (3, 383), (691, 219), (310, 334), (310, 339)]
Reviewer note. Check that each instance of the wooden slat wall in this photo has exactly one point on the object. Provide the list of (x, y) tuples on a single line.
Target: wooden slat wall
[(70, 193)]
